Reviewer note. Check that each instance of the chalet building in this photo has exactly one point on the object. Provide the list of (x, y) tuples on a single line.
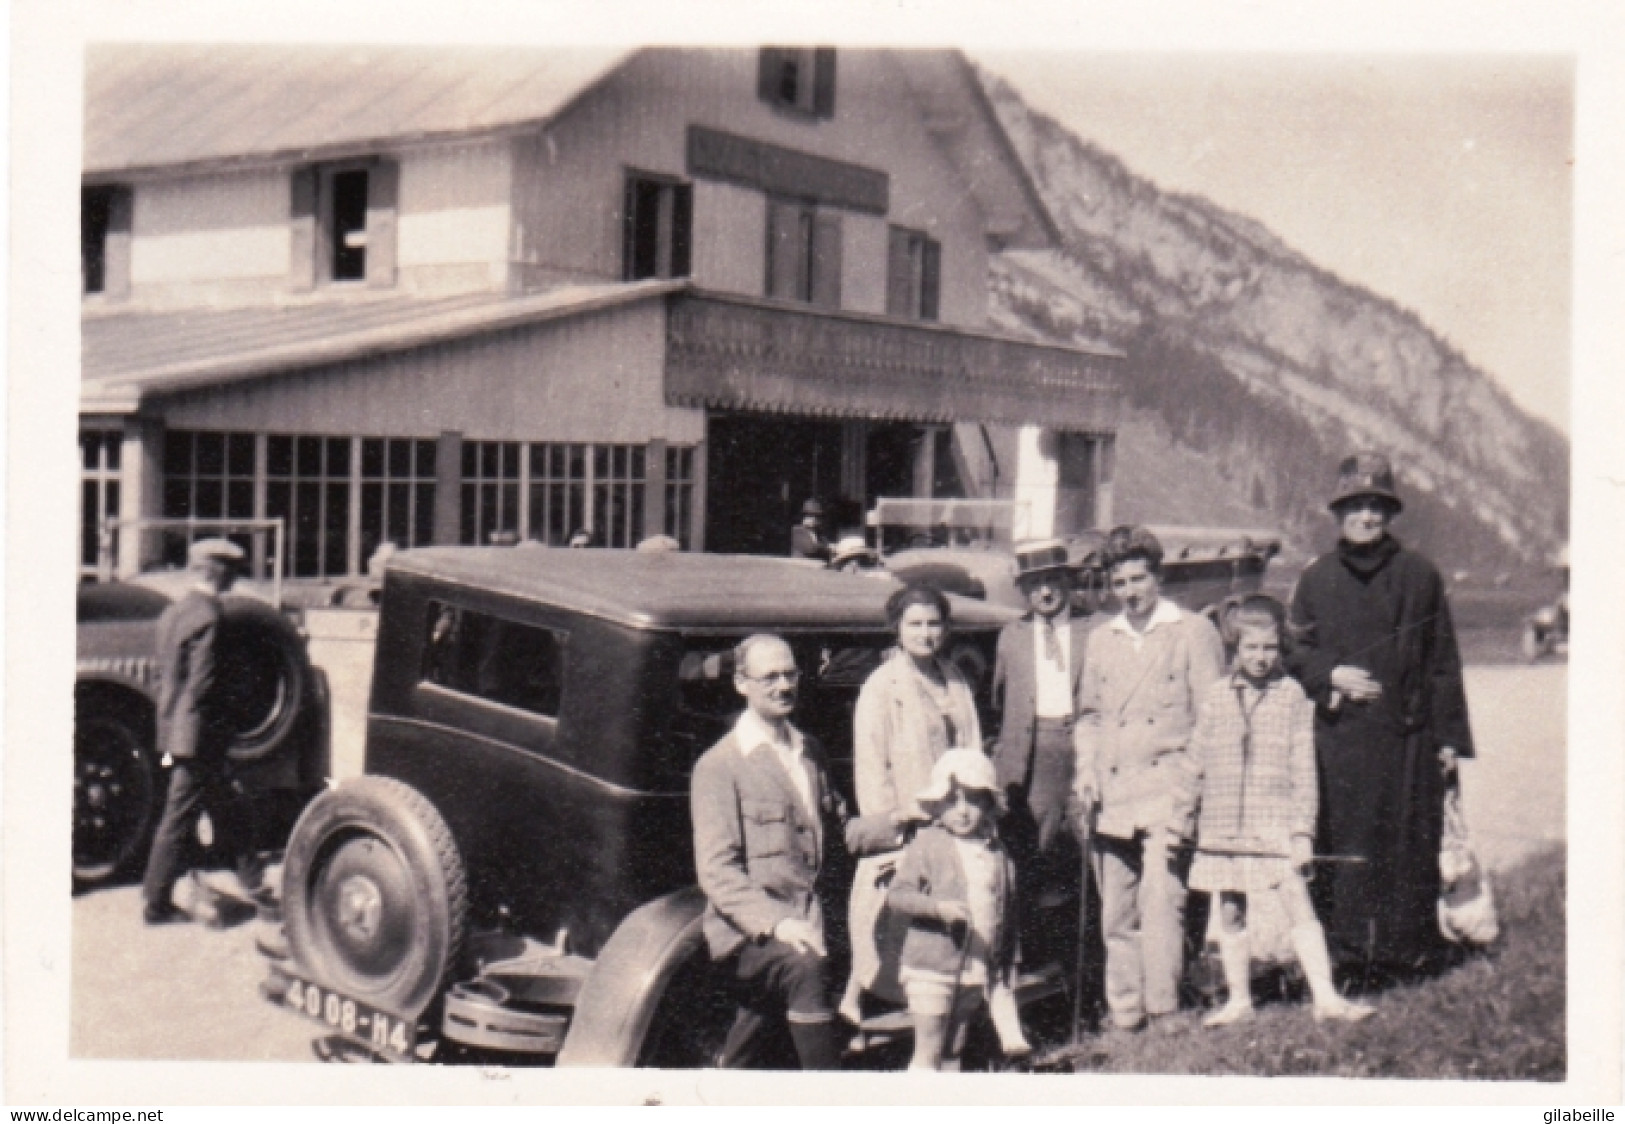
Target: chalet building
[(451, 296)]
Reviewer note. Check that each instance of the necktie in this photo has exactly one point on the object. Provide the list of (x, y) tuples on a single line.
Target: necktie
[(1052, 646)]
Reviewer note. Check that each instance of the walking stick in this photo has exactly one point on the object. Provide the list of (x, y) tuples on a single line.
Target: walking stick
[(1086, 824), (949, 1030)]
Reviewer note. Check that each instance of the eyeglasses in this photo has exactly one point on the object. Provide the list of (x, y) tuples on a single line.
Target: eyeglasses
[(790, 677)]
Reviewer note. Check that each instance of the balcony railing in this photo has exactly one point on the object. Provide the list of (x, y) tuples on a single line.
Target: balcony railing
[(740, 353)]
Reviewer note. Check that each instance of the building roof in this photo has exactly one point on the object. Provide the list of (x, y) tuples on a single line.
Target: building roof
[(150, 106), (679, 590), (129, 355)]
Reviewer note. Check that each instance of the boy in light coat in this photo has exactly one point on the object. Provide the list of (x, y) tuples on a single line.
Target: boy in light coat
[(1146, 672)]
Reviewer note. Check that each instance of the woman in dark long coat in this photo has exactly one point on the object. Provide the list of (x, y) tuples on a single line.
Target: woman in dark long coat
[(1377, 653)]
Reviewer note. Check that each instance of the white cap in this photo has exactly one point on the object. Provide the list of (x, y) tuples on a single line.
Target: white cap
[(222, 549)]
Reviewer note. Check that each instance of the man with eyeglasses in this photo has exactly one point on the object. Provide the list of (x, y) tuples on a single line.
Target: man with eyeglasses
[(763, 812)]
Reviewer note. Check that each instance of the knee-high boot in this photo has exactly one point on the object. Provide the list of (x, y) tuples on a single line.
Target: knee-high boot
[(1309, 942), (1236, 956)]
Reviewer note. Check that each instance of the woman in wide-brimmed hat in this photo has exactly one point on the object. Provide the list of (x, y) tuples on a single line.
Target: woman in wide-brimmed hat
[(1376, 652)]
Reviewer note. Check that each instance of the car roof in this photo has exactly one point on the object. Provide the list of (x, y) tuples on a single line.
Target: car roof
[(676, 589)]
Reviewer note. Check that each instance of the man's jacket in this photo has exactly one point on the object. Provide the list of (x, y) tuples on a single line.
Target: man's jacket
[(758, 850), (1015, 692), (191, 721)]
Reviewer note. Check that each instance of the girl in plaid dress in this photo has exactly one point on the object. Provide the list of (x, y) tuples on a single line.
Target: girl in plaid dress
[(1253, 754)]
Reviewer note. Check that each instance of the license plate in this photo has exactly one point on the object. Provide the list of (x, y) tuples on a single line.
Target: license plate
[(388, 1034)]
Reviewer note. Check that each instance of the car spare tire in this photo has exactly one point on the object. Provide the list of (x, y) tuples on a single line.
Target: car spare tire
[(375, 899), (265, 676)]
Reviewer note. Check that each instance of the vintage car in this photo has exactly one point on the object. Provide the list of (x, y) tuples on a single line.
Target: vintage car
[(1201, 567), (513, 873), (279, 750)]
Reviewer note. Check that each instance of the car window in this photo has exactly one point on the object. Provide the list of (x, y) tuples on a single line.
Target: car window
[(493, 658)]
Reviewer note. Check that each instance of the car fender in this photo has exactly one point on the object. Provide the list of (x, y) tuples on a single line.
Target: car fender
[(617, 1002)]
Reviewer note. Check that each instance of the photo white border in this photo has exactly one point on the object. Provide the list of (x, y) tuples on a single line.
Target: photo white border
[(47, 83)]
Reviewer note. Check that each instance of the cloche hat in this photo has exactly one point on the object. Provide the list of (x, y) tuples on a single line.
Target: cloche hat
[(1365, 474), (971, 768)]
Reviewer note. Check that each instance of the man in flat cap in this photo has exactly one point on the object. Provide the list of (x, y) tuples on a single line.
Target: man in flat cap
[(1376, 653), (194, 732)]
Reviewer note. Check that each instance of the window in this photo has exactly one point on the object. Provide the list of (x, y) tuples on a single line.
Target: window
[(803, 253), (913, 275), (488, 657), (659, 217), (397, 493), (800, 79), (344, 224), (206, 476), (349, 225), (104, 241), (680, 494), (490, 491), (308, 485), (99, 493), (545, 491)]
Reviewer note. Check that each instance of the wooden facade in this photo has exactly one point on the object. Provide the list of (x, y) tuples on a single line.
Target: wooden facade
[(792, 221)]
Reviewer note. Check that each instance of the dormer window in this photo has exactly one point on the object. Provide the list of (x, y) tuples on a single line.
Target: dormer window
[(344, 224), (798, 79), (104, 241)]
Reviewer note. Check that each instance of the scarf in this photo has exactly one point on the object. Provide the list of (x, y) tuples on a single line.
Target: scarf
[(1364, 560)]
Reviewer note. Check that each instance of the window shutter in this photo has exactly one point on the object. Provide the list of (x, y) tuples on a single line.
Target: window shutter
[(383, 193), (682, 229), (786, 251), (899, 275), (116, 249), (302, 230), (826, 260), (824, 82), (930, 279), (769, 65)]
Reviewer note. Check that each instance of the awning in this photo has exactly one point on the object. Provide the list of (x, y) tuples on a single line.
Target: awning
[(738, 353)]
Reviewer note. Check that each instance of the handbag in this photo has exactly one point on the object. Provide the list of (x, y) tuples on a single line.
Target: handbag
[(1466, 901)]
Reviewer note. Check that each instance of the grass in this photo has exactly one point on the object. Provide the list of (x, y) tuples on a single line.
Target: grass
[(1498, 1016)]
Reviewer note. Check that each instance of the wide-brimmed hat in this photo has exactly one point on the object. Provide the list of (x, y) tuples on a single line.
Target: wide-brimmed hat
[(971, 768), (1365, 474), (216, 549), (1040, 556), (850, 547)]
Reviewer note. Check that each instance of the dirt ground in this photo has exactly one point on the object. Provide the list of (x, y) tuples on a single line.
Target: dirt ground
[(185, 991)]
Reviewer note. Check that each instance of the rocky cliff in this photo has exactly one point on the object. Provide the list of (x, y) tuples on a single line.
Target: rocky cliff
[(1251, 371)]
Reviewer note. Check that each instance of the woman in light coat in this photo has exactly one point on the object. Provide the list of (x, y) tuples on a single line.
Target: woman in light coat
[(913, 708)]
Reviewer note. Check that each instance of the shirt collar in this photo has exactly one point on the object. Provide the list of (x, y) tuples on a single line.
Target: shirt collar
[(1166, 612), (751, 733)]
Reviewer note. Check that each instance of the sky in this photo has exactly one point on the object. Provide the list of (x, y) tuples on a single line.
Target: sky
[(1440, 181)]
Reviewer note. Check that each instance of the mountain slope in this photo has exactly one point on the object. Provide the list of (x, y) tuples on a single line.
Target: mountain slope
[(1267, 368)]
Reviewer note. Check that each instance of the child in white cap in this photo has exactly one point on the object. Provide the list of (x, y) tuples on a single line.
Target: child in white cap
[(956, 885)]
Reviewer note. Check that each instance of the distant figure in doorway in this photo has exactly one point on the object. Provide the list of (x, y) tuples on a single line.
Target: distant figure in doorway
[(195, 725), (807, 537), (1376, 653)]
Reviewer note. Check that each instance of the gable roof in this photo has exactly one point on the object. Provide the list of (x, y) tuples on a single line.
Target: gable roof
[(152, 108), (162, 105)]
